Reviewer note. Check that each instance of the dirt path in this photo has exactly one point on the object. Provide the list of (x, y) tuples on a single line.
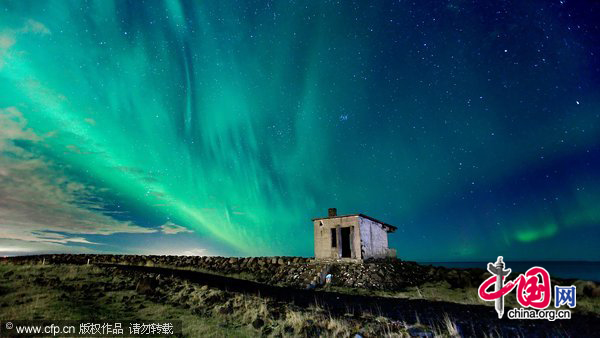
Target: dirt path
[(472, 320)]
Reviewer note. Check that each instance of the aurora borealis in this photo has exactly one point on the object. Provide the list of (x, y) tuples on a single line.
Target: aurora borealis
[(221, 127)]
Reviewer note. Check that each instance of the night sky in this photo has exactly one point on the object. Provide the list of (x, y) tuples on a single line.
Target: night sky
[(222, 128)]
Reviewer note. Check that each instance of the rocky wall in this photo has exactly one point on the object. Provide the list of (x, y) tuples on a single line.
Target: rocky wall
[(286, 271), (298, 272)]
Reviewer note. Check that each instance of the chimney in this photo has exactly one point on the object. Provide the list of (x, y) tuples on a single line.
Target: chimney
[(331, 212)]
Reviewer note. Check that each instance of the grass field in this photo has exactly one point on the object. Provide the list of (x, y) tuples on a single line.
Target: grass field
[(92, 292), (442, 291), (88, 292)]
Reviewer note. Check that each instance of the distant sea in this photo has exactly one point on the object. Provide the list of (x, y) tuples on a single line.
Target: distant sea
[(562, 269)]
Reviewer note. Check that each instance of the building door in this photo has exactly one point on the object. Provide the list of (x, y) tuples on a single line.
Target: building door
[(345, 234)]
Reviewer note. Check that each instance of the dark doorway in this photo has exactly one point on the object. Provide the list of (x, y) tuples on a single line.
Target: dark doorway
[(345, 234), (333, 238)]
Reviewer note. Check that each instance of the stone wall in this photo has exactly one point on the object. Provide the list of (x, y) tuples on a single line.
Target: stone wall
[(373, 238), (286, 271), (298, 272), (322, 236)]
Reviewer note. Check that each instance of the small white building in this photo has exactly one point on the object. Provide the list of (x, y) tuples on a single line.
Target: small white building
[(354, 236)]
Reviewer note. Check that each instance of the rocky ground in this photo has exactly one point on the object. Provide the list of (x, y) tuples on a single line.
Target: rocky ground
[(295, 272), (267, 296), (389, 275)]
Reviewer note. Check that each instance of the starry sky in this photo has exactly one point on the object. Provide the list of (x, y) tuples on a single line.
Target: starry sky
[(223, 127)]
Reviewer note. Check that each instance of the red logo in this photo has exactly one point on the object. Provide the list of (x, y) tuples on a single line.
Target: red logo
[(533, 288)]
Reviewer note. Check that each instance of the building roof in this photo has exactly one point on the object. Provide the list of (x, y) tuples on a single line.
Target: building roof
[(389, 226)]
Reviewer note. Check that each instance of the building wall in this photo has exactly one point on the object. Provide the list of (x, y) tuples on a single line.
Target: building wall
[(322, 236), (374, 239)]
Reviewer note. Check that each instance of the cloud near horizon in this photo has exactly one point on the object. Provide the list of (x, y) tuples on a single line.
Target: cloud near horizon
[(41, 208), (170, 228)]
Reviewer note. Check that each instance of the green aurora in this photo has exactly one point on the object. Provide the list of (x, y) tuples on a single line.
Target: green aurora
[(224, 127)]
